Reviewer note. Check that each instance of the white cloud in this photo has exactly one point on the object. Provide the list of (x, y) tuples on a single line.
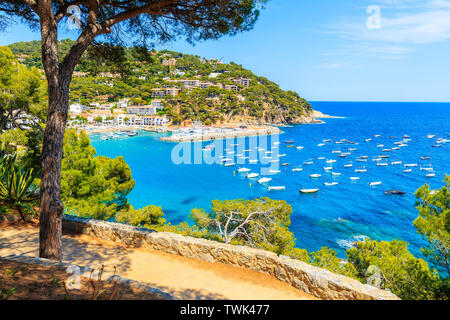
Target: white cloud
[(405, 24)]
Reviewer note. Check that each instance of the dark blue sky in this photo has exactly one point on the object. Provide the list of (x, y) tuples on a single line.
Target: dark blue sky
[(328, 50)]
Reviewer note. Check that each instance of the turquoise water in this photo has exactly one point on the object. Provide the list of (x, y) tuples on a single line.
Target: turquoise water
[(335, 216)]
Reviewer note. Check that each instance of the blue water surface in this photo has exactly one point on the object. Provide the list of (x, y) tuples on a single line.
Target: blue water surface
[(334, 217)]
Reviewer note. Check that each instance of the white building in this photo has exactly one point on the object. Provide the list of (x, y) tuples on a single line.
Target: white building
[(76, 108), (157, 103), (141, 110)]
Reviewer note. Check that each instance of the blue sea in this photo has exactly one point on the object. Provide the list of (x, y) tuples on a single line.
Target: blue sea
[(335, 216)]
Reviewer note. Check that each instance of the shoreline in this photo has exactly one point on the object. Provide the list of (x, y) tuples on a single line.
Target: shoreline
[(213, 132)]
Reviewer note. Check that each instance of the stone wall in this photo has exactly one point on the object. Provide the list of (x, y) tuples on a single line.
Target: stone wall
[(315, 281)]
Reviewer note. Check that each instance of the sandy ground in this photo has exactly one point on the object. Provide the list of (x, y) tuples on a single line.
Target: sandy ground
[(183, 277)]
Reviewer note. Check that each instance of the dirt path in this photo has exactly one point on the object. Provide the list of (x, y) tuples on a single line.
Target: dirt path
[(183, 277)]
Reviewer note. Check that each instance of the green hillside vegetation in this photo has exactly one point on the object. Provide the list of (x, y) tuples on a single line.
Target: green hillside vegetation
[(122, 72)]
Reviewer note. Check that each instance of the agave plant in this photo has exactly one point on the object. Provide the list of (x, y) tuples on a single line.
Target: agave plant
[(16, 185)]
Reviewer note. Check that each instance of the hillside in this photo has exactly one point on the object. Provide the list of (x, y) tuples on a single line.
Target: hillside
[(217, 93)]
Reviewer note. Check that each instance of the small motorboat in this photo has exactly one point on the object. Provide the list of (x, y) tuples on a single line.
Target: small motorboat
[(285, 164), (437, 145), (300, 148), (377, 183), (276, 143), (380, 146), (327, 168), (336, 151), (316, 175), (274, 171), (386, 150), (327, 140), (297, 169), (384, 157), (430, 136), (361, 170), (394, 192), (431, 175), (382, 164), (368, 140), (290, 146), (395, 162), (280, 188), (309, 190), (308, 162), (330, 184), (229, 164), (281, 155), (289, 141), (264, 180), (363, 157), (354, 178), (330, 161), (426, 169), (242, 170), (252, 175), (321, 158), (321, 144), (348, 165), (411, 165), (425, 158), (407, 171), (336, 174)]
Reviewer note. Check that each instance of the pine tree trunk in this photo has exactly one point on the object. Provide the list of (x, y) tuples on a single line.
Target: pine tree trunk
[(50, 222)]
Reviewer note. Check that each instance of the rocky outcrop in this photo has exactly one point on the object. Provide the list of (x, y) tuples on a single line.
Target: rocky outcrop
[(315, 281)]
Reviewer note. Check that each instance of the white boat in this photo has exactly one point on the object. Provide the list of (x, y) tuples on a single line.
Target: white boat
[(361, 170), (395, 162), (327, 168), (354, 178), (252, 175), (309, 190), (430, 136), (244, 170), (377, 135), (386, 150), (281, 155), (327, 140), (336, 174), (407, 170), (320, 144), (377, 183), (330, 184), (229, 164), (395, 148), (348, 165), (308, 162), (376, 159), (363, 157), (352, 149), (382, 164), (336, 151), (339, 142), (430, 175), (321, 158), (368, 140), (331, 161), (316, 175), (297, 169), (411, 165), (276, 143), (300, 148), (361, 160), (277, 188), (380, 146), (426, 169), (264, 180), (274, 171)]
